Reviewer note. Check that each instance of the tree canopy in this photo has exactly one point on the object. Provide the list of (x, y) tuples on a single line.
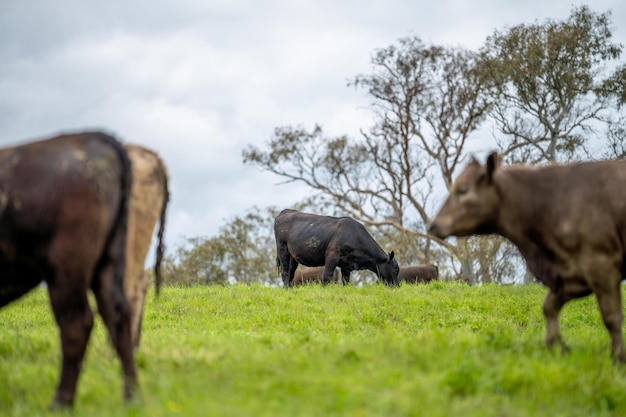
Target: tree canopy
[(552, 85)]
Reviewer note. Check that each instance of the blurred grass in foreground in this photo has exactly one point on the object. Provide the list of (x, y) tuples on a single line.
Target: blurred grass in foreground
[(441, 349)]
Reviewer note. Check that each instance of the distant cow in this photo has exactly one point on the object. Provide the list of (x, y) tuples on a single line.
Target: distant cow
[(568, 221), (313, 275), (415, 274), (148, 205), (313, 240), (63, 220)]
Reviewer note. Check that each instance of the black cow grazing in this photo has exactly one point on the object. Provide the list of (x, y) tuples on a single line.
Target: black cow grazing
[(415, 274), (313, 240), (568, 222), (63, 220)]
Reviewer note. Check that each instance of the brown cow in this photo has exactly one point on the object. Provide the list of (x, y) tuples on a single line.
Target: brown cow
[(568, 221), (63, 220), (415, 274), (148, 205), (313, 275)]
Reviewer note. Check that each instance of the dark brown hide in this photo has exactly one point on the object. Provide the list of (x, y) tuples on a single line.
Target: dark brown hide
[(313, 275), (148, 205), (566, 220), (416, 274), (63, 220), (314, 240)]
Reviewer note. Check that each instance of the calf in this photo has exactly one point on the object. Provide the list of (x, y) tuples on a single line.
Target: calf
[(313, 240), (312, 275), (568, 221), (418, 273), (63, 220), (148, 205)]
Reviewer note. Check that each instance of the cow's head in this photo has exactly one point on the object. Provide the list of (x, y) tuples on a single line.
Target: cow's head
[(472, 204), (388, 270)]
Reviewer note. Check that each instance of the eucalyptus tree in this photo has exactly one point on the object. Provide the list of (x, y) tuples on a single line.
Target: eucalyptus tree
[(556, 88), (426, 102), (243, 251), (555, 85)]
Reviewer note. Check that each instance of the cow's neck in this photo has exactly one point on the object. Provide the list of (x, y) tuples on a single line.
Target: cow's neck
[(524, 210), (520, 209), (366, 260)]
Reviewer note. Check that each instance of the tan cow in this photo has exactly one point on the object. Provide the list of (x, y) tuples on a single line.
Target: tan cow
[(148, 205), (568, 221), (415, 274), (312, 275)]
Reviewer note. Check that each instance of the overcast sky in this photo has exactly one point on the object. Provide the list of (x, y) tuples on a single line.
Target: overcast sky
[(199, 80)]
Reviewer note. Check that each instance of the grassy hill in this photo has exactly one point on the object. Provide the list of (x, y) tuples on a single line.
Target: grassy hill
[(442, 349)]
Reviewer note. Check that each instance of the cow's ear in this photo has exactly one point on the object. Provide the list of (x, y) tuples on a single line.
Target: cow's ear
[(493, 163), (391, 255)]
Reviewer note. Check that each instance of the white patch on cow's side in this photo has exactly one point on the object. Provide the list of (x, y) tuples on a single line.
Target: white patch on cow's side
[(312, 242), (79, 154)]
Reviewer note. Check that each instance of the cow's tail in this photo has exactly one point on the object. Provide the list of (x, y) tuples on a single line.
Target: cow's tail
[(120, 228), (160, 250)]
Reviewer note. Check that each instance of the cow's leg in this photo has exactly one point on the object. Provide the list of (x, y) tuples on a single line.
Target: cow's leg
[(134, 294), (604, 279), (345, 276), (288, 264), (331, 262), (137, 320), (114, 308), (293, 266), (138, 310), (610, 303), (288, 270), (71, 260), (115, 312), (68, 298), (552, 306)]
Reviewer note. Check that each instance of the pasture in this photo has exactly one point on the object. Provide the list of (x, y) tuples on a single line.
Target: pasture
[(439, 349)]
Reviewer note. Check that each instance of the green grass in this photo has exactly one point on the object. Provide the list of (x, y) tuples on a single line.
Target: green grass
[(443, 349)]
